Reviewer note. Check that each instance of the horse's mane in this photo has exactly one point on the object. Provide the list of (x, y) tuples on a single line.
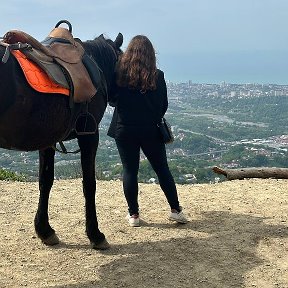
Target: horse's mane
[(103, 53)]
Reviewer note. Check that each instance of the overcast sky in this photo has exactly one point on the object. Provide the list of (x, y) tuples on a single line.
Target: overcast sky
[(201, 40)]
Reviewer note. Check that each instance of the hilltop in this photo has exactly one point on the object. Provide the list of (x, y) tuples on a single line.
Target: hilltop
[(237, 237)]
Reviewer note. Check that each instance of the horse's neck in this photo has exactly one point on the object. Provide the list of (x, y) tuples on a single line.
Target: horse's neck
[(104, 55)]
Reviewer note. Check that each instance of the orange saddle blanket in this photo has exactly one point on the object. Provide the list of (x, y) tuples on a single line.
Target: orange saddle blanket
[(36, 77)]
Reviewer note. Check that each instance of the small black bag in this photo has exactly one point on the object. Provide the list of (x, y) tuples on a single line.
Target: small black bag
[(163, 126), (165, 131)]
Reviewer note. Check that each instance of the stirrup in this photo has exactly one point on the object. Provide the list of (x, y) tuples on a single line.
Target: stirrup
[(85, 124)]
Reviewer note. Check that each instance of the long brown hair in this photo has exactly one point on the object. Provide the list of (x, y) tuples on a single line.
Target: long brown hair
[(137, 65)]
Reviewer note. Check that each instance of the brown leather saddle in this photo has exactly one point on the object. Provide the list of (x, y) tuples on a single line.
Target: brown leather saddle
[(61, 57)]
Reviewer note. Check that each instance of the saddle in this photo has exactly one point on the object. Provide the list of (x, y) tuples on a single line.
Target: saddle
[(62, 57)]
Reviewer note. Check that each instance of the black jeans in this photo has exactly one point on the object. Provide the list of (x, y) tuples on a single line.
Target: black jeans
[(154, 150)]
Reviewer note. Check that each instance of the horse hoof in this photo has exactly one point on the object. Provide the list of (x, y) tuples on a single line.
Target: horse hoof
[(51, 240), (104, 245)]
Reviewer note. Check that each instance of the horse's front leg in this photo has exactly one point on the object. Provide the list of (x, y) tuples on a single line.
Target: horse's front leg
[(46, 176), (88, 145)]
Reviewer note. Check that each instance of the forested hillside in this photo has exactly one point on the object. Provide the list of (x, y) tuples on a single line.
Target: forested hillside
[(228, 125)]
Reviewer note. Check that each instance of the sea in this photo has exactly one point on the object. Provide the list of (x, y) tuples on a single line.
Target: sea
[(238, 67)]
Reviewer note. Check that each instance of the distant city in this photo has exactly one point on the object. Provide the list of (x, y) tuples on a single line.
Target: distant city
[(227, 125), (226, 90), (231, 125)]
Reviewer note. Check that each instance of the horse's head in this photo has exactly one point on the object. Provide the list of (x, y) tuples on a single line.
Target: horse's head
[(116, 44), (105, 52)]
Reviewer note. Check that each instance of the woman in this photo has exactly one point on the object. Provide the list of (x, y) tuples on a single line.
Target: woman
[(140, 100)]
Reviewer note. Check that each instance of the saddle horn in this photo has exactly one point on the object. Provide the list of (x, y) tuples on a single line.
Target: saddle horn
[(66, 22)]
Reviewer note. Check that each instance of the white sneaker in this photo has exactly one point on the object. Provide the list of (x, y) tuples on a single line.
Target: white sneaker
[(133, 220), (178, 217)]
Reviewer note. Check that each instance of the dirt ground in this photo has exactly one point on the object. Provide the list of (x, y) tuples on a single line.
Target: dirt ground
[(237, 237)]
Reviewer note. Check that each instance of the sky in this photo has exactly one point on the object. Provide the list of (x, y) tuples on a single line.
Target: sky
[(205, 41)]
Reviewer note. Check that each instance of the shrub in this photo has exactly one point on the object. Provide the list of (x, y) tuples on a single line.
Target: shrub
[(9, 175)]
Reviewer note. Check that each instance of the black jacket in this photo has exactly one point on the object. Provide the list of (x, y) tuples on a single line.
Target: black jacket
[(133, 114)]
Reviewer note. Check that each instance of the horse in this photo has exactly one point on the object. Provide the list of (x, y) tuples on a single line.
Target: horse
[(36, 121)]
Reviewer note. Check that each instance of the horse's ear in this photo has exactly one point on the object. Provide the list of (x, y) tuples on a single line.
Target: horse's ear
[(101, 36), (119, 40)]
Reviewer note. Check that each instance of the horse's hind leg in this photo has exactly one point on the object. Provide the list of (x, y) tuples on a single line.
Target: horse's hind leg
[(88, 145), (46, 177)]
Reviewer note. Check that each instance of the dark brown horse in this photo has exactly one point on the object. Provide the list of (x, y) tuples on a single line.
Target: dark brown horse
[(31, 121)]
